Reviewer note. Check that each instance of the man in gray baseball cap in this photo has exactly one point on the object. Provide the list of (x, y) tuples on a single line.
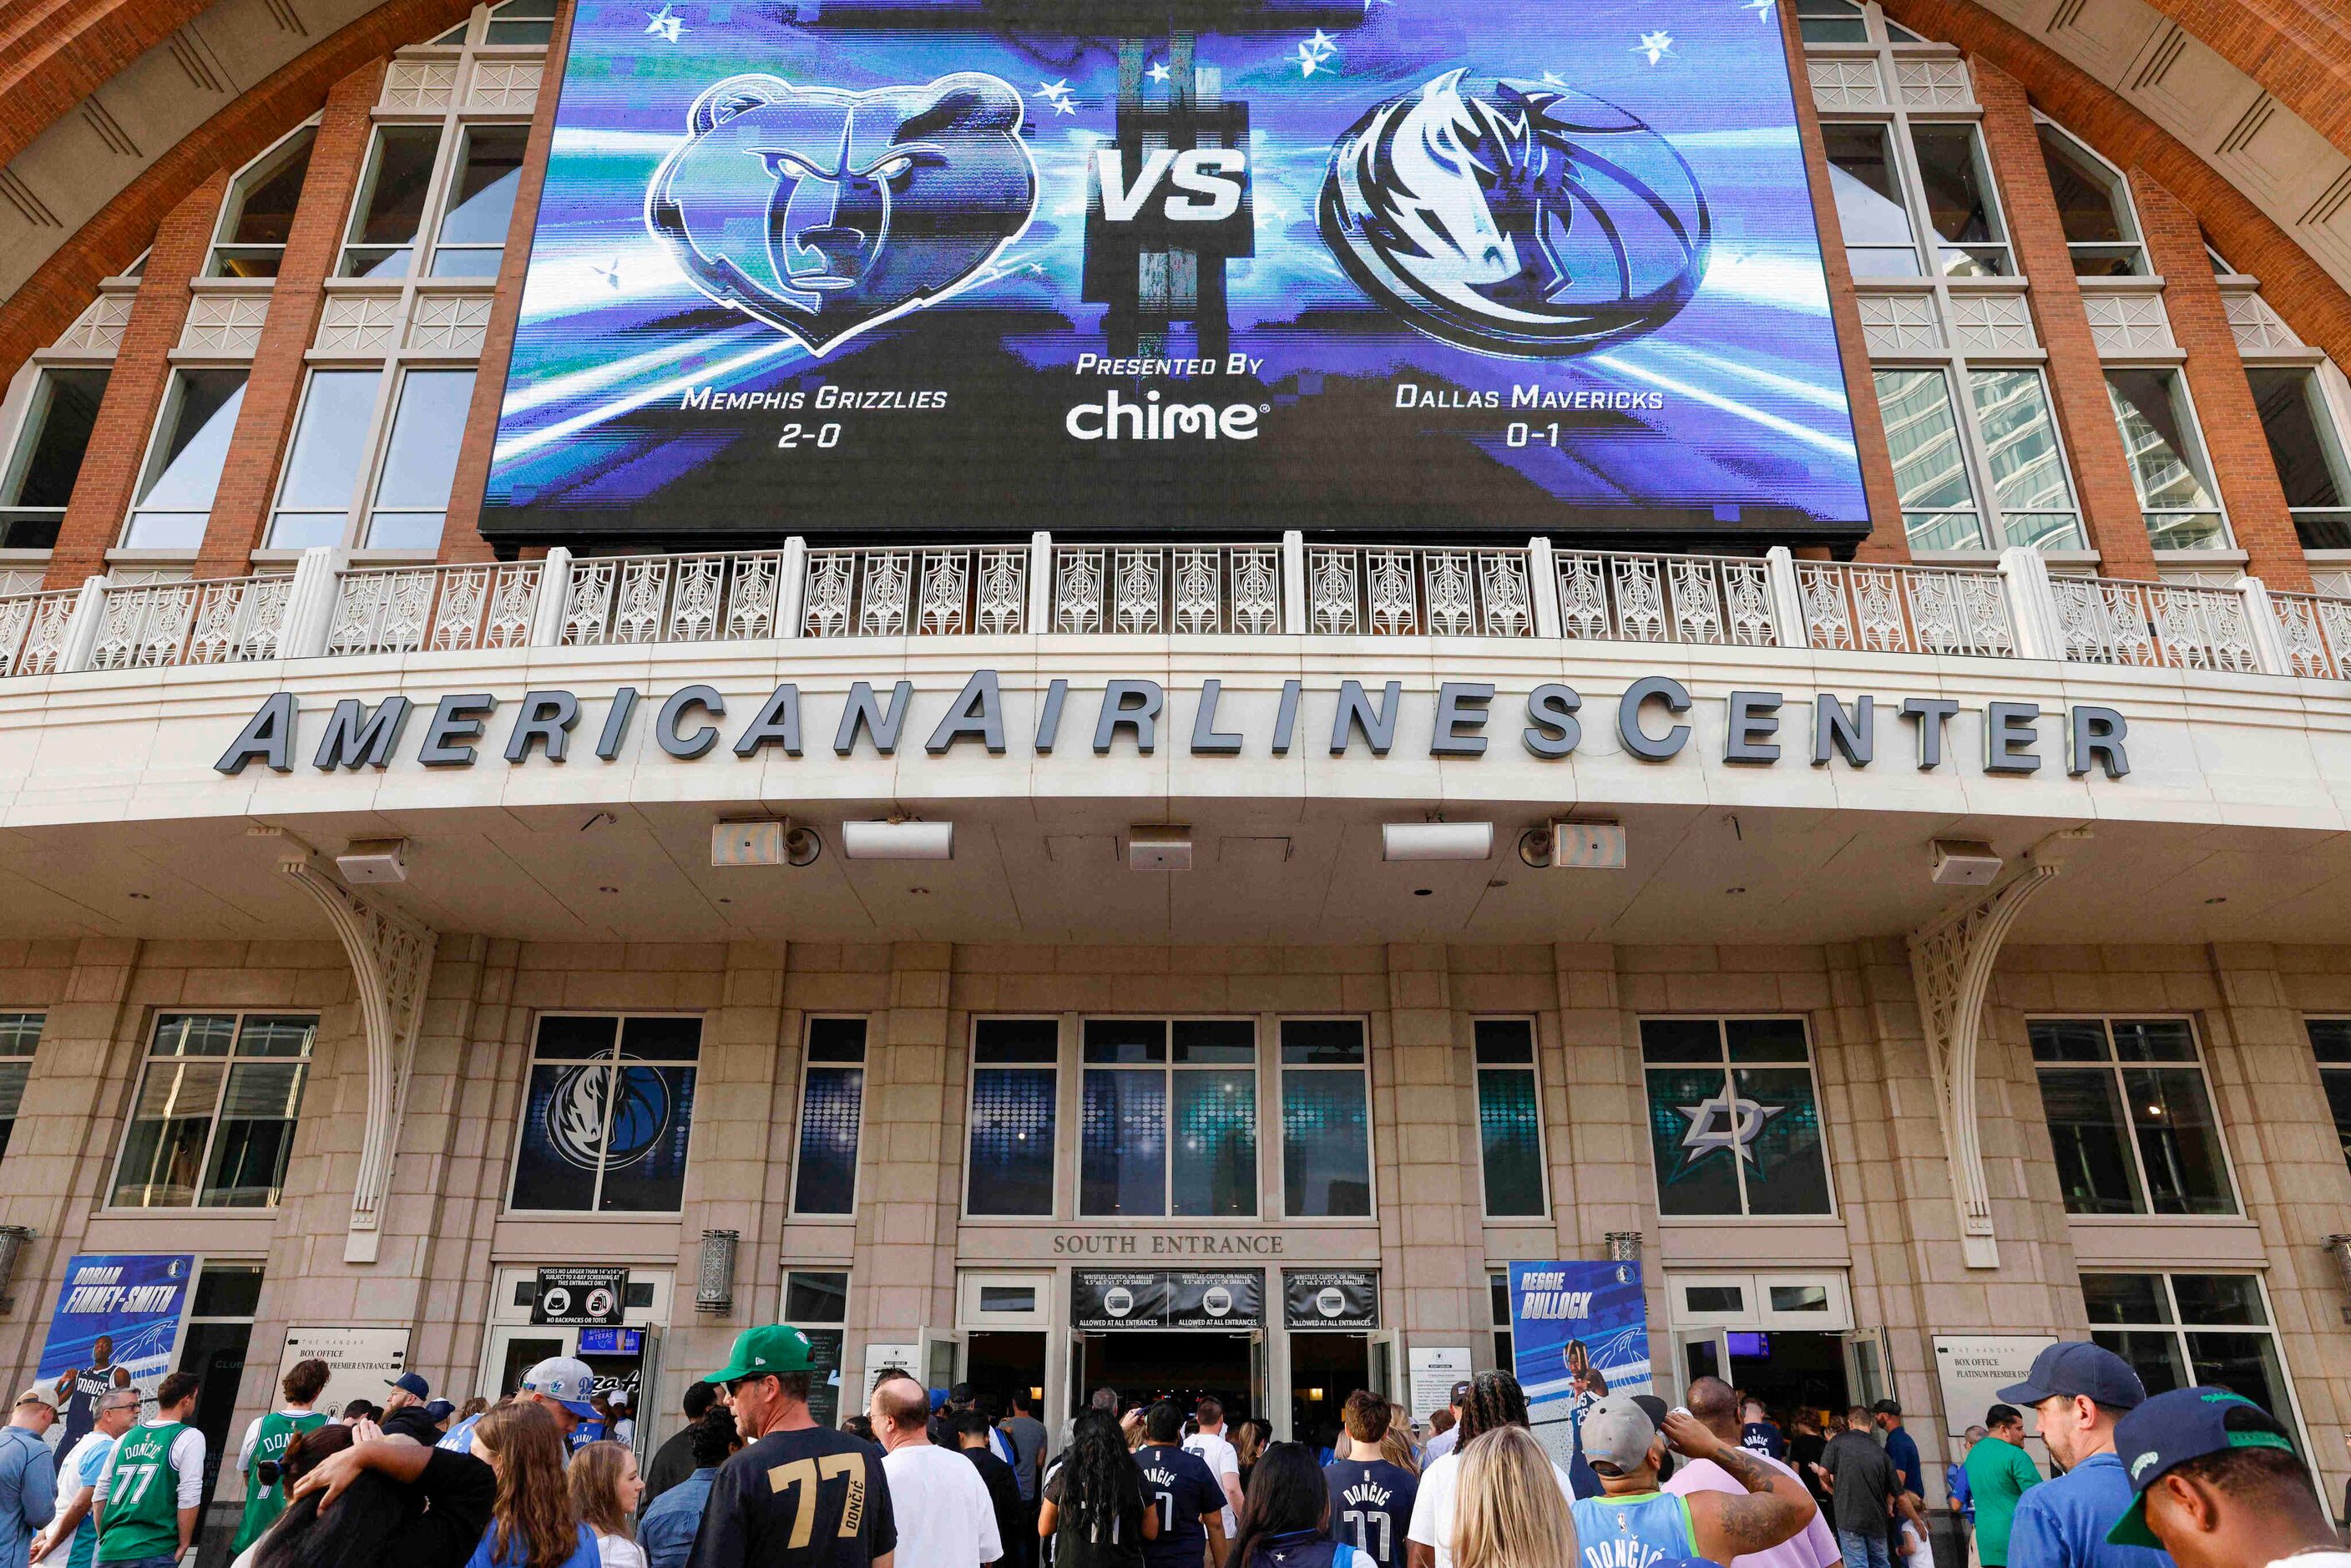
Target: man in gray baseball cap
[(1624, 1448), (2079, 1391)]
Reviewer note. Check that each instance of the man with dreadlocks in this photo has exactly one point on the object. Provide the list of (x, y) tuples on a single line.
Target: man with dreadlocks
[(1094, 1511), (1495, 1401)]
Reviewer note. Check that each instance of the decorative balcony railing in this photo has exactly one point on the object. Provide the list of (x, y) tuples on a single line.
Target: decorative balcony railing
[(2015, 611)]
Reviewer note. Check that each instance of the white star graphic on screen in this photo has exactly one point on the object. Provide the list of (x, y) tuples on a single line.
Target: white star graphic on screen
[(1065, 106), (1740, 1122), (609, 272), (1324, 44), (1052, 90), (1308, 59), (664, 23), (1551, 79), (1158, 72), (1655, 45)]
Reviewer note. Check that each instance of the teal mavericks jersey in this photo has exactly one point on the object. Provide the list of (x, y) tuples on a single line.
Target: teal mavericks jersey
[(1634, 1532)]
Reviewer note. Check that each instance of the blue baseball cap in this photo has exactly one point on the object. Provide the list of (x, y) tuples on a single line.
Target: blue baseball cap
[(410, 1383), (2077, 1366), (2172, 1428), (440, 1410), (564, 1379)]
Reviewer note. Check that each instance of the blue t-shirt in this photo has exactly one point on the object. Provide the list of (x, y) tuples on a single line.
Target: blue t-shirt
[(1371, 1506), (1176, 1482), (1955, 1481), (1903, 1449), (2062, 1522), (1637, 1531), (584, 1556)]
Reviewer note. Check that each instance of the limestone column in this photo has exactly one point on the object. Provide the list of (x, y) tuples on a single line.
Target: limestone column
[(905, 1231), (1432, 1250)]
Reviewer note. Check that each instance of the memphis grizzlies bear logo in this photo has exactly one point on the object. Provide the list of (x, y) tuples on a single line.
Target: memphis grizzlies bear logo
[(1533, 221), (823, 213)]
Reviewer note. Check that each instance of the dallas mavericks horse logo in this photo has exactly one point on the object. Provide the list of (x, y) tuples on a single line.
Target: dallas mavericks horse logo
[(1535, 222), (823, 213), (586, 1132)]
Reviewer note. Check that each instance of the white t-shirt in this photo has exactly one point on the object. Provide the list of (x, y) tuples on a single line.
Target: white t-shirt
[(617, 1550), (1432, 1509), (1221, 1461), (944, 1517), (84, 1463), (624, 1431), (187, 1460), (2322, 1558)]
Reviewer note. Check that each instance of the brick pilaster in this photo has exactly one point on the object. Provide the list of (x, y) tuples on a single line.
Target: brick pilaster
[(249, 478), (2102, 480), (2239, 453), (1889, 540), (461, 535), (117, 441)]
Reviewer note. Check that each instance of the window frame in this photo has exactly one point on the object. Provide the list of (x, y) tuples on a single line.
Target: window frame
[(148, 1058), (1533, 1068), (2319, 399), (837, 1327), (2198, 457), (167, 414), (24, 432), (17, 1064), (1835, 1214), (2115, 1066), (506, 1206), (1166, 1068), (2179, 1329), (360, 507), (1959, 371), (2144, 267), (256, 171), (973, 1067), (2325, 1068), (865, 1066), (1280, 1175)]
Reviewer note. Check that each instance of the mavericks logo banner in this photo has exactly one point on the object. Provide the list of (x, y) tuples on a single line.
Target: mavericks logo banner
[(1579, 1331), (1443, 264)]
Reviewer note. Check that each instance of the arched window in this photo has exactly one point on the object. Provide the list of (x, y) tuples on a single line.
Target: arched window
[(2094, 202), (260, 213)]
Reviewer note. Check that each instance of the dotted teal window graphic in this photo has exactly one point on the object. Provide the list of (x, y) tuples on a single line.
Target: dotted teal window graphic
[(1727, 1137), (1213, 1164), (1326, 1140), (1123, 1143), (1510, 1121), (832, 1106)]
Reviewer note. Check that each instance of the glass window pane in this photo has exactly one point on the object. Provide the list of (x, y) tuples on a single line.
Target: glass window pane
[(2153, 1039), (1123, 1143), (260, 212), (56, 437), (1004, 1040), (20, 1033), (329, 446), (2179, 1140), (183, 467), (830, 1109), (1326, 1147), (2153, 1354), (1214, 1041), (2166, 458), (1112, 1042), (481, 200), (1012, 1126), (277, 1036), (2095, 1165), (2091, 202), (2338, 1101), (816, 1297), (662, 1039), (644, 1149), (1930, 469), (562, 1137), (2232, 1301), (256, 1136), (2126, 1298), (1862, 176), (421, 459), (1681, 1040), (1497, 1297), (1959, 200), (2242, 1363), (1502, 1041), (1831, 22), (575, 1038), (391, 204), (1510, 1135), (1714, 1299), (1799, 1298), (521, 22), (194, 1034), (169, 1123), (836, 1040), (1213, 1155), (2068, 1039), (1323, 1042), (1766, 1040), (1777, 1127), (2027, 470), (1696, 1171), (227, 1291), (2299, 437), (13, 1075)]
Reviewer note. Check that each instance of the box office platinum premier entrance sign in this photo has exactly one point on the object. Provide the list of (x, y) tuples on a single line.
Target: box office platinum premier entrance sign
[(1438, 264)]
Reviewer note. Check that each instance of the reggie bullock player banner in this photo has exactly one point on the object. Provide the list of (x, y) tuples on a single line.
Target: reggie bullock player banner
[(1416, 263)]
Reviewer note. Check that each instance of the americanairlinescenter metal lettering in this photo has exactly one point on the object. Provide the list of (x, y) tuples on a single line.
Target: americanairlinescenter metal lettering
[(1756, 729)]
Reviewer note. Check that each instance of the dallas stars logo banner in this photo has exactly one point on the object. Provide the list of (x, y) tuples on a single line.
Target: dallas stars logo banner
[(1449, 264)]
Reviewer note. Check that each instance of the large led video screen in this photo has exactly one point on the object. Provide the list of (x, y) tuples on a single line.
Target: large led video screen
[(1380, 268)]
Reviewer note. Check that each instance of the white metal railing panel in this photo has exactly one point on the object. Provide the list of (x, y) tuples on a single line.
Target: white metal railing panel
[(915, 591), (33, 628), (212, 620), (2316, 632), (1905, 609), (619, 599), (1712, 599), (1429, 591), (409, 609), (1140, 590), (2181, 626)]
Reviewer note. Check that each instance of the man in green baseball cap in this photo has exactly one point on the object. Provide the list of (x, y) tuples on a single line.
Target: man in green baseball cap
[(799, 1495)]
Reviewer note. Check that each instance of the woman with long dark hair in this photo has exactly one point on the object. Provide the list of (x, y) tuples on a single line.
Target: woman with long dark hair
[(533, 1524), (1093, 1508), (1286, 1516)]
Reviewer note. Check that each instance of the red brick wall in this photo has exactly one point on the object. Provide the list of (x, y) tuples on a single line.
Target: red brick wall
[(2102, 480)]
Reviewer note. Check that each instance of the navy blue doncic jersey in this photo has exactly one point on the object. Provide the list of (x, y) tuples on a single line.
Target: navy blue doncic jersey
[(1176, 1482), (1371, 1504)]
